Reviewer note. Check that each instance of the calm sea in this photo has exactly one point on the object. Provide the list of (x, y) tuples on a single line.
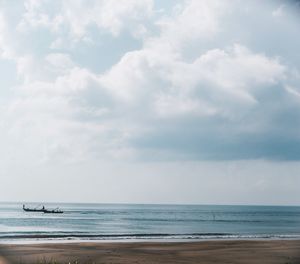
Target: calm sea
[(140, 222)]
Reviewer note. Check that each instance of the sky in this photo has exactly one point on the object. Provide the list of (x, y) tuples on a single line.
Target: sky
[(148, 101)]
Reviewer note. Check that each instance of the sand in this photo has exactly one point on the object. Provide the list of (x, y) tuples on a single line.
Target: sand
[(230, 251)]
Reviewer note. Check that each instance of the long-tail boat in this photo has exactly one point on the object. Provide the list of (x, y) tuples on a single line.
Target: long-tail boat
[(54, 211), (33, 209), (43, 210)]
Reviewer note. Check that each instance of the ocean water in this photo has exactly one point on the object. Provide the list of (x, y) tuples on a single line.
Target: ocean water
[(147, 222)]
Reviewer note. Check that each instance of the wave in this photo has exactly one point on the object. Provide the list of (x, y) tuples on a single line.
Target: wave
[(162, 236), (205, 220)]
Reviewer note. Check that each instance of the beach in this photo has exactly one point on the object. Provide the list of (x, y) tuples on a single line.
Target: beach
[(220, 251)]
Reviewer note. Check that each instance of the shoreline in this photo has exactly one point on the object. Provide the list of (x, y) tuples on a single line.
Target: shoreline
[(139, 240), (124, 238), (214, 251)]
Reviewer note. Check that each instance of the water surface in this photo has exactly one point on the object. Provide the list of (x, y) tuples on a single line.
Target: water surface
[(127, 222)]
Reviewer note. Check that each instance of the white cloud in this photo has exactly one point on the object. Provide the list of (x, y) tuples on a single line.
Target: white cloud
[(194, 20), (227, 77), (31, 69), (112, 16), (169, 106), (217, 83), (6, 44), (60, 60), (154, 90)]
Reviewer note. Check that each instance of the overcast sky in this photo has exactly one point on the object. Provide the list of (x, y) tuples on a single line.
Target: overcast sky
[(147, 101)]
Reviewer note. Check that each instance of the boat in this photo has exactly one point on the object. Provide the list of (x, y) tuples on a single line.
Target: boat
[(36, 209), (54, 211), (42, 210)]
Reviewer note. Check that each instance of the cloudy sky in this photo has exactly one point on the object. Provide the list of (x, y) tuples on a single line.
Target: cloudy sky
[(146, 101)]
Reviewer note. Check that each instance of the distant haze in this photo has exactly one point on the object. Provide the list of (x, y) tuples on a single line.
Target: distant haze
[(143, 101)]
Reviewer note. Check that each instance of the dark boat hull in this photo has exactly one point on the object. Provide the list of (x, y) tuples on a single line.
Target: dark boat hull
[(52, 212), (32, 210)]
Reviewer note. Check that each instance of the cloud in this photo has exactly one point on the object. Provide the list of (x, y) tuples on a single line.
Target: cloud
[(193, 20), (60, 60), (194, 88), (79, 16), (217, 78), (6, 45)]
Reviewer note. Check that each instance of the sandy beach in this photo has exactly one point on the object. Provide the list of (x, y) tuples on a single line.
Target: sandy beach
[(262, 251)]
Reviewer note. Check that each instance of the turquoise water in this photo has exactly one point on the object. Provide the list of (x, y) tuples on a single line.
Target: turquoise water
[(127, 222)]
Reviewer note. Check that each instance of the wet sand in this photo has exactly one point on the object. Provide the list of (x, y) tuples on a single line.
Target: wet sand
[(230, 251)]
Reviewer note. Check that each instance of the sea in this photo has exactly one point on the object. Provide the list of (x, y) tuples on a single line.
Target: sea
[(139, 222)]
